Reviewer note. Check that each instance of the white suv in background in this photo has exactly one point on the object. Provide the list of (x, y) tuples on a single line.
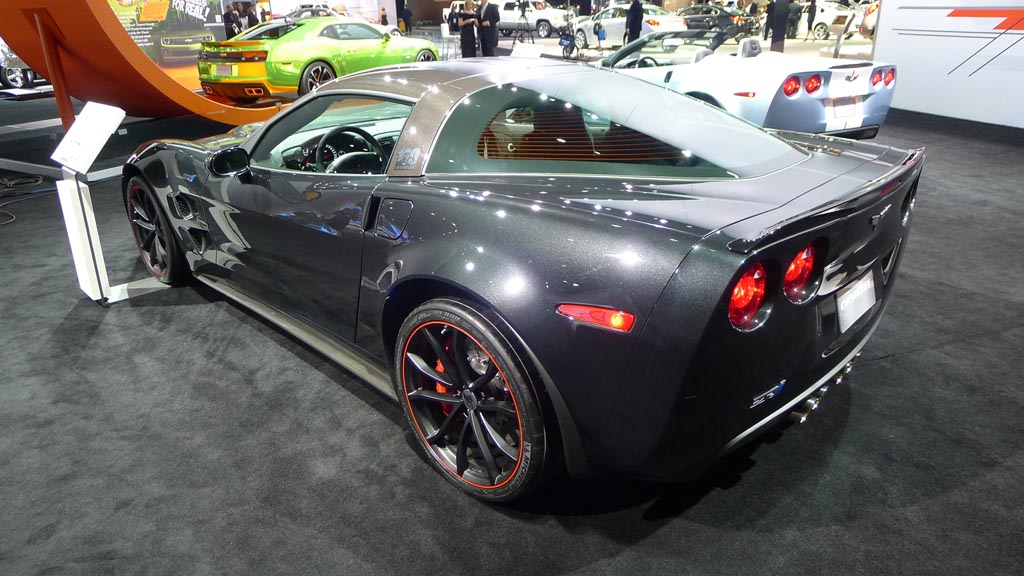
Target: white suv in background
[(539, 16)]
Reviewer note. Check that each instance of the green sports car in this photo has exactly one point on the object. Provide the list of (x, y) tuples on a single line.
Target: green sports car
[(280, 57)]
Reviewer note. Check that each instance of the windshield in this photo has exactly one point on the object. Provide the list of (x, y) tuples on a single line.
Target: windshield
[(596, 122), (665, 49)]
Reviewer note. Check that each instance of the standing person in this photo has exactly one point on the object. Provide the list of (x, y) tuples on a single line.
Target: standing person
[(812, 10), (468, 22), (489, 17), (232, 26), (634, 21), (768, 13), (407, 18), (265, 15), (383, 16), (251, 16)]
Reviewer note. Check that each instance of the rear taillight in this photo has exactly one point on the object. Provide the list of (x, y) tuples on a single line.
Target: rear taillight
[(653, 22), (813, 84), (791, 86), (736, 19), (598, 316), (890, 76), (254, 56), (797, 282), (876, 77), (747, 297)]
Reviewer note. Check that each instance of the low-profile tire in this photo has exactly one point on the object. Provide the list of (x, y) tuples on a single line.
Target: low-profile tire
[(154, 236), (821, 31), (580, 39), (469, 401), (315, 74), (425, 56), (544, 29)]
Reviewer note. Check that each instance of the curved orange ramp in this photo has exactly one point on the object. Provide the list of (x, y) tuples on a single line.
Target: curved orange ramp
[(101, 62)]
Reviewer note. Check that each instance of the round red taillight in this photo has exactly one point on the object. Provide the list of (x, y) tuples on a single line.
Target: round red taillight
[(876, 77), (890, 76), (791, 86), (798, 275), (747, 297), (813, 84)]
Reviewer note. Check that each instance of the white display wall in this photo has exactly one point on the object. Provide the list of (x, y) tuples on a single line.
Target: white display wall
[(958, 58)]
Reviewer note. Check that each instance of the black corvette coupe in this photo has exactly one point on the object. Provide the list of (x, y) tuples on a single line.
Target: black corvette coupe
[(546, 263)]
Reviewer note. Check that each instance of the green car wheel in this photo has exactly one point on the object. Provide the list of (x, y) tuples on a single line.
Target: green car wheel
[(425, 56), (314, 75)]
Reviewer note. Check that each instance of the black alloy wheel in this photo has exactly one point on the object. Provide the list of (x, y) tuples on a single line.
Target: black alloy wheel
[(469, 401), (153, 235), (425, 56), (314, 75)]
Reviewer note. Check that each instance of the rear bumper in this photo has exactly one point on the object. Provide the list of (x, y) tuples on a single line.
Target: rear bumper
[(237, 90)]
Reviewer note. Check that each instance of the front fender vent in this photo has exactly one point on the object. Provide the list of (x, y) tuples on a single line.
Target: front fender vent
[(184, 208), (199, 242)]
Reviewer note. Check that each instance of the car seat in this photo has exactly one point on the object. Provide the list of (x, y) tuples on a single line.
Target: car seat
[(749, 47), (559, 133)]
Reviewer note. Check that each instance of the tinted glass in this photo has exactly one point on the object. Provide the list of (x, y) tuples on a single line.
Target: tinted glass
[(602, 123), (268, 32)]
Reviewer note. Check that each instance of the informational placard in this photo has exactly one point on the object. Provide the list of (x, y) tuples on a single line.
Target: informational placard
[(958, 58), (87, 136)]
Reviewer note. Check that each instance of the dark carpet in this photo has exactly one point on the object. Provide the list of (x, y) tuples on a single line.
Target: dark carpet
[(177, 434)]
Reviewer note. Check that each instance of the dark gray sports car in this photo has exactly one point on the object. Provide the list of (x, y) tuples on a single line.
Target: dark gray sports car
[(544, 262)]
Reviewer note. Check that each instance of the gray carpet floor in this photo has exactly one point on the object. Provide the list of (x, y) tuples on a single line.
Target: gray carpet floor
[(177, 434)]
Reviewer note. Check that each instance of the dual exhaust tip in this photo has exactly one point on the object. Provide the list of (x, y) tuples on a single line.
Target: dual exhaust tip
[(811, 403)]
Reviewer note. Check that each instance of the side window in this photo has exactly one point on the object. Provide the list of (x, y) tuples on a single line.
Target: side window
[(330, 32), (334, 133), (356, 32), (509, 6)]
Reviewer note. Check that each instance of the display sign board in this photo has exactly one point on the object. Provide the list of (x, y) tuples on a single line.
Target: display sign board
[(955, 58), (87, 136)]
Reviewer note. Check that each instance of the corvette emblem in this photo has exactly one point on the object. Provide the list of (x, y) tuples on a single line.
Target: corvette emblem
[(852, 76)]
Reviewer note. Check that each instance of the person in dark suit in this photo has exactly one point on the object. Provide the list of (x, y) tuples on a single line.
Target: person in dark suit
[(489, 17), (383, 16), (251, 18), (232, 25), (468, 21), (634, 21), (407, 18)]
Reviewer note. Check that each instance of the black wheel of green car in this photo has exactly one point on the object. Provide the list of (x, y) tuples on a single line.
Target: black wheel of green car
[(315, 74), (425, 56), (158, 247), (469, 401), (544, 29)]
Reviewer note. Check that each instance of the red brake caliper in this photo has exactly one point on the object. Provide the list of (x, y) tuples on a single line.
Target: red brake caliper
[(446, 408)]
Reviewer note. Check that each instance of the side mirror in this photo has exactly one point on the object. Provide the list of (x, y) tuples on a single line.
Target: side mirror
[(229, 162), (606, 63), (387, 37)]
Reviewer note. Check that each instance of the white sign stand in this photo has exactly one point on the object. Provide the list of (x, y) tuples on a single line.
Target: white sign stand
[(77, 152)]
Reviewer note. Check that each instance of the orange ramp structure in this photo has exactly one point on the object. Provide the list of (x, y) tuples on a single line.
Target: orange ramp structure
[(86, 53)]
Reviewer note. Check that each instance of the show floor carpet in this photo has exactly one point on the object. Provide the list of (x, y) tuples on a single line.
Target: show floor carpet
[(177, 434)]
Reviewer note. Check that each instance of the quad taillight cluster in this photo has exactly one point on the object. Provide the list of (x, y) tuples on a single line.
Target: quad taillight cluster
[(883, 75), (747, 308), (793, 84)]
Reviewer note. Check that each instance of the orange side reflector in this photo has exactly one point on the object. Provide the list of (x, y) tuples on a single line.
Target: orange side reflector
[(595, 315)]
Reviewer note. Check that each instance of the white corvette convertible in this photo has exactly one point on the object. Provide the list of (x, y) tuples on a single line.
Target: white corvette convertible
[(806, 94)]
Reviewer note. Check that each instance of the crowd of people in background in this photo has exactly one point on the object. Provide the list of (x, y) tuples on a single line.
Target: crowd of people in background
[(240, 16)]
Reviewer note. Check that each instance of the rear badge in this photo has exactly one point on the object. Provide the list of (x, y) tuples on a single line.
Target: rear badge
[(768, 395)]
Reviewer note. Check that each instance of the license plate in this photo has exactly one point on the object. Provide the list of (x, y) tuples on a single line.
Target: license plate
[(844, 107), (854, 300), (225, 70)]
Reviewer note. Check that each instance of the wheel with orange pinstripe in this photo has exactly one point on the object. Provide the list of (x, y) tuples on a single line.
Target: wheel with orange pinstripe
[(469, 400)]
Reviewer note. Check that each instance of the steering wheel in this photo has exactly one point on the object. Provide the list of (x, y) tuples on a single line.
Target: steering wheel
[(647, 62), (336, 162)]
